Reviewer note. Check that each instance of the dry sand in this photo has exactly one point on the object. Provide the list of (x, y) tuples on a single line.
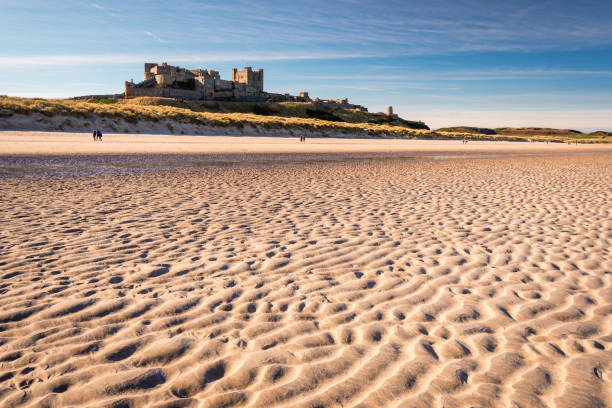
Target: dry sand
[(396, 283)]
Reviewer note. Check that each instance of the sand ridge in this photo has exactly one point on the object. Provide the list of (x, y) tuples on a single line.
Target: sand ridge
[(394, 283)]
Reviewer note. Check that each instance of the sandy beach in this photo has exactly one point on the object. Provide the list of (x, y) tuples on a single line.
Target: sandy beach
[(396, 274), (62, 143)]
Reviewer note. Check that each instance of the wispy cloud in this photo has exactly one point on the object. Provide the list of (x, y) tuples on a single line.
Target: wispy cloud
[(156, 38), (390, 87), (107, 10), (480, 75), (117, 59), (436, 27)]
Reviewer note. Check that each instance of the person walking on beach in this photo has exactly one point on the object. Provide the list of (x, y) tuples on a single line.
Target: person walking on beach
[(99, 134), (95, 135)]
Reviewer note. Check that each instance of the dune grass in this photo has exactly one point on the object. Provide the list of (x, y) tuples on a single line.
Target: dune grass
[(235, 115), (531, 133)]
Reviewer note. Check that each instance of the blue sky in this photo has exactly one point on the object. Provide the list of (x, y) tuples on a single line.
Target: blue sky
[(464, 62)]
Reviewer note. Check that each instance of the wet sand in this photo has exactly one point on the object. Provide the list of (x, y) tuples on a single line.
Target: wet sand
[(58, 143)]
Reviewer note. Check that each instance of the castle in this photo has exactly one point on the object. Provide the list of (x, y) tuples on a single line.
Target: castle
[(175, 82), (245, 86)]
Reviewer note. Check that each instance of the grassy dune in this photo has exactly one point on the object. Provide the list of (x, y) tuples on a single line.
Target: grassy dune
[(542, 134), (139, 110), (267, 117)]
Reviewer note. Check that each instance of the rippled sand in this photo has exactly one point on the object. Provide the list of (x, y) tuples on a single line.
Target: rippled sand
[(396, 283)]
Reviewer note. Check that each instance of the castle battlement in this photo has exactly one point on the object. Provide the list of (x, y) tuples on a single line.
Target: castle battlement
[(176, 82), (171, 81)]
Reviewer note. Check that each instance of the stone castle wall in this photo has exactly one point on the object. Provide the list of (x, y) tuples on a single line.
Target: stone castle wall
[(206, 84), (247, 85), (132, 92)]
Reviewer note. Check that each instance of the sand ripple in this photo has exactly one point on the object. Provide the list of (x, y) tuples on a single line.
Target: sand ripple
[(394, 283)]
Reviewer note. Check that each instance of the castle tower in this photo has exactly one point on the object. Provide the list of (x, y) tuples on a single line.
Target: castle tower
[(252, 79), (147, 70), (390, 111), (260, 79)]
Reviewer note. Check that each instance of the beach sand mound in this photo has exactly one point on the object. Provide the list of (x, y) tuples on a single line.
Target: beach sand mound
[(394, 283)]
